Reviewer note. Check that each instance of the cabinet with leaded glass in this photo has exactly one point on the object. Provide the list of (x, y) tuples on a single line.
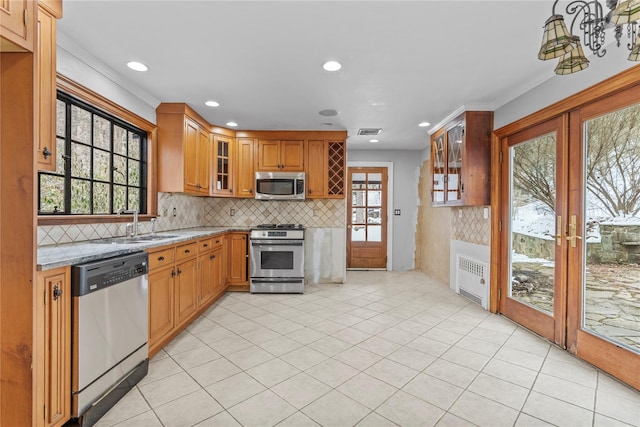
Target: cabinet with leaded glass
[(460, 160)]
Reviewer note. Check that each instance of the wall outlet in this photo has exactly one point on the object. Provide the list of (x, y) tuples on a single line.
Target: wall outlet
[(232, 212), (485, 213), (396, 212), (175, 212), (459, 212), (315, 213)]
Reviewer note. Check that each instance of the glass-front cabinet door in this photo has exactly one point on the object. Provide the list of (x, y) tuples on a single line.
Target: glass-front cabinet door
[(454, 162), (222, 161), (438, 156)]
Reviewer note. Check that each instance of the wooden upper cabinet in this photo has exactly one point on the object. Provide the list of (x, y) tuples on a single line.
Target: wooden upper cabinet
[(46, 49), (244, 176), (316, 169), (223, 166), (460, 161), (17, 25), (278, 155), (184, 150)]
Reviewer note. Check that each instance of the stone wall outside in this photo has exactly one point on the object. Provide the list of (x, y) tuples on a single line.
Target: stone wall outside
[(619, 244)]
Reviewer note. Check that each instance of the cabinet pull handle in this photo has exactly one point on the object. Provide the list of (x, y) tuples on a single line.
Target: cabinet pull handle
[(173, 273), (186, 251), (160, 258), (179, 272), (205, 245), (217, 241), (212, 257), (46, 153), (57, 292), (310, 191), (251, 191)]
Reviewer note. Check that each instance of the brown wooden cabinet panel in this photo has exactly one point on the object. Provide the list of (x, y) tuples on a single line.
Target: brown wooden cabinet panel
[(292, 155), (277, 155), (244, 177), (238, 262), (161, 312), (186, 290), (16, 25), (316, 169), (184, 150), (53, 348), (223, 166), (46, 48), (460, 161)]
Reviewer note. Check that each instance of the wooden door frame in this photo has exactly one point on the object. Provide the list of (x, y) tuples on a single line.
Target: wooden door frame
[(551, 327), (389, 167)]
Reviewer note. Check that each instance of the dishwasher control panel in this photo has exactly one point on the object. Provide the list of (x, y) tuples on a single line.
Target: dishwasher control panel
[(97, 275)]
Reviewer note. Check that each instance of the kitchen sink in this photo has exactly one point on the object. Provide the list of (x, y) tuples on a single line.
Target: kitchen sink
[(138, 239)]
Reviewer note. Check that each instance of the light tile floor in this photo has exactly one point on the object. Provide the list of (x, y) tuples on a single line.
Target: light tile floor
[(384, 349)]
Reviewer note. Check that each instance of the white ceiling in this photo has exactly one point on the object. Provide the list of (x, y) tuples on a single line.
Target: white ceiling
[(403, 62)]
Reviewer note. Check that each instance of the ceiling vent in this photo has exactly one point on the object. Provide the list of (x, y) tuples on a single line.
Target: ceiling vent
[(369, 131)]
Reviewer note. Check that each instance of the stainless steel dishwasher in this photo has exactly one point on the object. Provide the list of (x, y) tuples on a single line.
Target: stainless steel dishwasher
[(110, 332)]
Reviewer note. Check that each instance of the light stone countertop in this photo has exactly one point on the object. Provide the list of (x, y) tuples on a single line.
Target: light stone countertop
[(53, 256)]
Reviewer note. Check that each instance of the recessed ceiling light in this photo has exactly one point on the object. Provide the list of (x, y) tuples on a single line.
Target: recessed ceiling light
[(374, 140), (332, 66), (137, 66), (212, 104), (328, 113), (424, 124), (232, 124)]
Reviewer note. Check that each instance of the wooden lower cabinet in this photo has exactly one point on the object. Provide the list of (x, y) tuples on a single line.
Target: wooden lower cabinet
[(161, 312), (184, 281), (238, 275), (186, 301), (52, 365)]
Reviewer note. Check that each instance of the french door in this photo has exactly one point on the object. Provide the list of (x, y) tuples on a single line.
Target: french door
[(535, 179), (570, 212), (367, 217)]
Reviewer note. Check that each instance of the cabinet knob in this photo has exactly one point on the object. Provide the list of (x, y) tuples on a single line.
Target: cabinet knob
[(160, 258), (187, 251), (205, 245), (46, 153), (179, 271), (212, 257), (310, 191)]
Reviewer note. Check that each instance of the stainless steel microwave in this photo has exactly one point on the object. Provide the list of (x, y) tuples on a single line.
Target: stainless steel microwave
[(280, 186)]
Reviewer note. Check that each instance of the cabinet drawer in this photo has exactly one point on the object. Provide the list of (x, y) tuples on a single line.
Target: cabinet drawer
[(186, 251), (217, 241), (205, 245), (160, 259)]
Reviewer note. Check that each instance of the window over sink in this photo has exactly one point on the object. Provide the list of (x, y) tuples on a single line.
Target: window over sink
[(101, 163)]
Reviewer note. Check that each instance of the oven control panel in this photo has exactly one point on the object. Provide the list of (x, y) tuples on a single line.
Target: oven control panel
[(277, 234)]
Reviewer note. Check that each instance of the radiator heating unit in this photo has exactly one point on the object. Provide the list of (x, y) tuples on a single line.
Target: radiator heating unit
[(472, 280)]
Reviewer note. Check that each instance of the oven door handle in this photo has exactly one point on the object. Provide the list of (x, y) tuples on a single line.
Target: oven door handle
[(258, 244), (277, 280)]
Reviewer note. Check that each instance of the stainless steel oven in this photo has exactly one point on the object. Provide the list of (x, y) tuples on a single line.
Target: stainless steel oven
[(277, 259)]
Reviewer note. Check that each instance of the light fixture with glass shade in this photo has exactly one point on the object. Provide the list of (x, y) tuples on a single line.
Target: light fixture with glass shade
[(589, 18)]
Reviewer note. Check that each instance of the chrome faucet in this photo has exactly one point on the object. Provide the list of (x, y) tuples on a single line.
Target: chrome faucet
[(134, 232)]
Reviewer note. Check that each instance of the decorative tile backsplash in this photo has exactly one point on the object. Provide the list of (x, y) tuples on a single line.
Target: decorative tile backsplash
[(208, 212), (469, 225)]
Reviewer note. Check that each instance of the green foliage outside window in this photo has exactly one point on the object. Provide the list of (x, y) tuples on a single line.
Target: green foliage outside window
[(100, 163)]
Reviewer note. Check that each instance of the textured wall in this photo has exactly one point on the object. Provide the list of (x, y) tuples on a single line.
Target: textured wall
[(469, 225), (433, 233), (207, 212)]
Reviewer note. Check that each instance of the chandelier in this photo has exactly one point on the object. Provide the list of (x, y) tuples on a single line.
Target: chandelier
[(590, 20)]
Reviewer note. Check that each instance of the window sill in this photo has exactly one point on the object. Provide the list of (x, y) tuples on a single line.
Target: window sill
[(89, 219)]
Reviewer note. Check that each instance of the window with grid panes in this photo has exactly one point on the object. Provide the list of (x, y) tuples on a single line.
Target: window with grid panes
[(100, 166)]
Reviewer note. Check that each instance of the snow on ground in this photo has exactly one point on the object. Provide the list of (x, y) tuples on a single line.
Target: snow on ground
[(537, 220)]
